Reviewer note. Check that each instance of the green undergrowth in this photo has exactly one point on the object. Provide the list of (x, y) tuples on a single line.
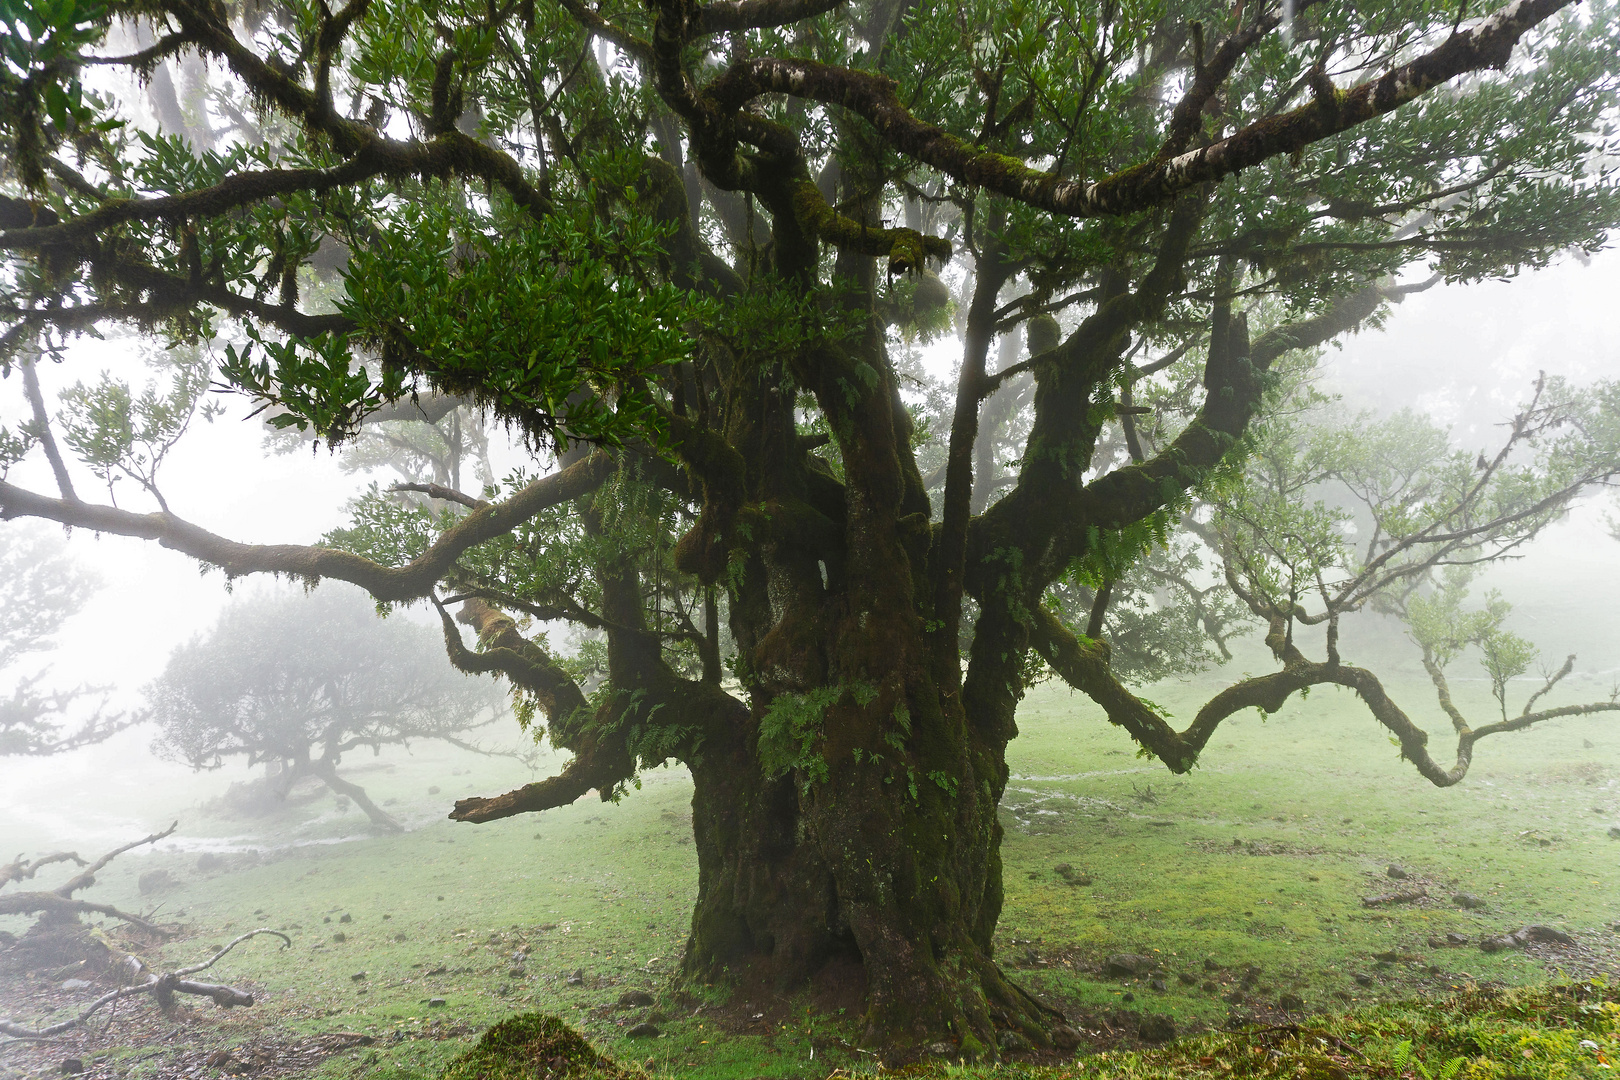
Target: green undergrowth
[(1560, 1032), (1258, 860)]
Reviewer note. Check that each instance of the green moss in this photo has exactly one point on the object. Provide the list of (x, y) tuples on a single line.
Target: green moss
[(532, 1046)]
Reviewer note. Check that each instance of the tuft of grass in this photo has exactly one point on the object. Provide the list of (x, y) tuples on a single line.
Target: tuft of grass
[(535, 1046)]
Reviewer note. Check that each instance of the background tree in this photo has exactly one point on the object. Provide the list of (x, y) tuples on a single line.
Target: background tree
[(685, 250), (40, 589), (297, 681)]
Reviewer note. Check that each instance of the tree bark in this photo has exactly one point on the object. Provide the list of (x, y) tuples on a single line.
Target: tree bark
[(880, 881)]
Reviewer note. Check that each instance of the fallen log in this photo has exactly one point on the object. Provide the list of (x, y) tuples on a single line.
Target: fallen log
[(162, 987)]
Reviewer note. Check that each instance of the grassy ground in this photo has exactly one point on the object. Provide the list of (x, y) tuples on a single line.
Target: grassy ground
[(1246, 877)]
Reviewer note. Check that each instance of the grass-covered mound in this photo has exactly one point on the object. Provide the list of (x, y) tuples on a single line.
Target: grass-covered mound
[(535, 1046)]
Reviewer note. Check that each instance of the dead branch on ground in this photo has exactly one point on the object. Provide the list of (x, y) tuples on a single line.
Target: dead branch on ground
[(161, 987), (61, 900)]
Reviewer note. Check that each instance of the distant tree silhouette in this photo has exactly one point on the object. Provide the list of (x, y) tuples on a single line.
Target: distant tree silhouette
[(301, 680)]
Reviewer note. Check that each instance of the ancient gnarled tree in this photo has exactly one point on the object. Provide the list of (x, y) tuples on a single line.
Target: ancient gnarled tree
[(689, 251)]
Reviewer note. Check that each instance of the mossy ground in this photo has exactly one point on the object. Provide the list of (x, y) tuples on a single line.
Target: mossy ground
[(1316, 799)]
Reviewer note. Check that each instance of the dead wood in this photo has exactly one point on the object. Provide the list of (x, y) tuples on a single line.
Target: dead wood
[(28, 903), (22, 869), (60, 901), (87, 877), (162, 988)]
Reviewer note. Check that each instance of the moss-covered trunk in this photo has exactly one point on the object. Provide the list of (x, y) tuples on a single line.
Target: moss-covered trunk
[(871, 865)]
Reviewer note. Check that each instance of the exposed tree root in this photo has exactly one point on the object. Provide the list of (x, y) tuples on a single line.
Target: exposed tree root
[(161, 987)]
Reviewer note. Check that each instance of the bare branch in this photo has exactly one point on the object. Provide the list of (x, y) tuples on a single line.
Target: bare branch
[(42, 429), (439, 491), (161, 987), (22, 869), (386, 583), (1084, 666), (87, 877)]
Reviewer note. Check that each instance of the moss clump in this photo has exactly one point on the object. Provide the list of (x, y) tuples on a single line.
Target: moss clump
[(535, 1046)]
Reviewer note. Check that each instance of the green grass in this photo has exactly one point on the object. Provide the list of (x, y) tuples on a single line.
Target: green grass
[(1259, 857), (1543, 1033)]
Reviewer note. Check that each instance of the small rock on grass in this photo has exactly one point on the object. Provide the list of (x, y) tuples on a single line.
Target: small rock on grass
[(1614, 832), (1123, 964), (1468, 901), (1291, 1003), (635, 999), (1363, 979), (1396, 873), (1156, 1027), (576, 978), (1523, 936), (436, 1003), (644, 1030)]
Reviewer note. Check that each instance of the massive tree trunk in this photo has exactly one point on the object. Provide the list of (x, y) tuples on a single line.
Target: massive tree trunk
[(882, 861)]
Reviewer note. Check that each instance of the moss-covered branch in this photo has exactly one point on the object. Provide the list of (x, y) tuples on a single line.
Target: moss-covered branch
[(1487, 45)]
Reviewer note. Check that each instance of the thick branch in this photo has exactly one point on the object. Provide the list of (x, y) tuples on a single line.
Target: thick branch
[(387, 583), (229, 194), (27, 903), (1153, 183), (1084, 666), (726, 16)]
